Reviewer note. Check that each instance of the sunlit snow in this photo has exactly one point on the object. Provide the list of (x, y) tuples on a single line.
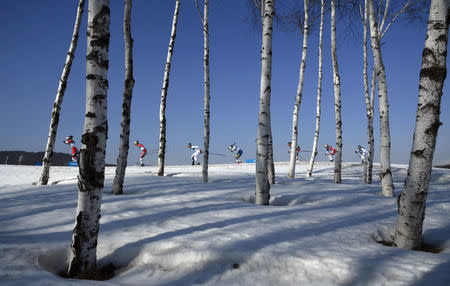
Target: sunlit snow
[(175, 230)]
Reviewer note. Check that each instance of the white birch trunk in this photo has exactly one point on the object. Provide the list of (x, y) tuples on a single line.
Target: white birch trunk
[(165, 87), (412, 201), (54, 121), (270, 162), (371, 140), (337, 98), (262, 190), (207, 93), (319, 94), (92, 154), (298, 98), (367, 174), (117, 187), (387, 187)]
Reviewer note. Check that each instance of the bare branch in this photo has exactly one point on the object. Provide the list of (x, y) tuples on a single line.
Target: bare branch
[(404, 9), (199, 12), (384, 16)]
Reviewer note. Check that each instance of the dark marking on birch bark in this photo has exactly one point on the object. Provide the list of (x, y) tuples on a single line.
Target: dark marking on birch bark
[(437, 74), (76, 246), (89, 176), (418, 153), (438, 25), (433, 129), (95, 57), (383, 174), (99, 96), (442, 38), (91, 76), (98, 27), (55, 121)]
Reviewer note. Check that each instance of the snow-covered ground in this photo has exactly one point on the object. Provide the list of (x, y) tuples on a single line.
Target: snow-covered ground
[(175, 230)]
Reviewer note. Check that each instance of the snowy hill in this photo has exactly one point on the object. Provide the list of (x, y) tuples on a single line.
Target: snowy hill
[(175, 230)]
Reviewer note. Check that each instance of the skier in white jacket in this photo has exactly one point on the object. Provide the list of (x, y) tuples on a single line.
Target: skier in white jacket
[(196, 153), (363, 153), (232, 148)]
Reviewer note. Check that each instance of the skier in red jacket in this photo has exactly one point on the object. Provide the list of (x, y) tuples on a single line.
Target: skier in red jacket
[(297, 150), (69, 141), (143, 152), (329, 152)]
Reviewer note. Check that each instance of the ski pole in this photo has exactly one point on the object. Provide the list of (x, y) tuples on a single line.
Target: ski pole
[(216, 154)]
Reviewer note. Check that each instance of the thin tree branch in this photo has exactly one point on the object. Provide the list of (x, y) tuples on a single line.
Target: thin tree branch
[(384, 15), (404, 9), (199, 12)]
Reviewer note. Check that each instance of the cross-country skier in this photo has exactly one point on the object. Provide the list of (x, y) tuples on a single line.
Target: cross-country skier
[(297, 150), (196, 153), (363, 153), (329, 152), (143, 152), (69, 141), (232, 148)]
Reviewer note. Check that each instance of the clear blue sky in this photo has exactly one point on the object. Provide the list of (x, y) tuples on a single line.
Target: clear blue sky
[(36, 37)]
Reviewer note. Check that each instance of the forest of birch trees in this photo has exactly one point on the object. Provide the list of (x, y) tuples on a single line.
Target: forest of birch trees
[(371, 18)]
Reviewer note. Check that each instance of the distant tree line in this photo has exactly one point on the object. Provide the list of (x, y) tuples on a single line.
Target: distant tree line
[(32, 158)]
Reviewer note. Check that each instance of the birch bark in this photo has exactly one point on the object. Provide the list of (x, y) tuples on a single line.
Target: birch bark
[(412, 201), (270, 162), (54, 121), (382, 30), (387, 187), (117, 187), (207, 93), (367, 174), (92, 154), (337, 98), (263, 133), (165, 87), (298, 98), (319, 94)]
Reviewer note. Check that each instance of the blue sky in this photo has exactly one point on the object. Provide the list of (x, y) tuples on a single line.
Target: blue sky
[(36, 37)]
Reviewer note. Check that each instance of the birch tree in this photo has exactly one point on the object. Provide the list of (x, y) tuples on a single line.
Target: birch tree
[(413, 8), (368, 165), (319, 94), (259, 5), (270, 162), (298, 98), (412, 201), (387, 187), (337, 97), (206, 100), (92, 154), (207, 92), (262, 191), (117, 187), (54, 121), (165, 87)]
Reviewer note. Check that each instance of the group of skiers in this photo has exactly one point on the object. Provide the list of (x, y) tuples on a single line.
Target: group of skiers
[(329, 151), (197, 151), (360, 151)]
